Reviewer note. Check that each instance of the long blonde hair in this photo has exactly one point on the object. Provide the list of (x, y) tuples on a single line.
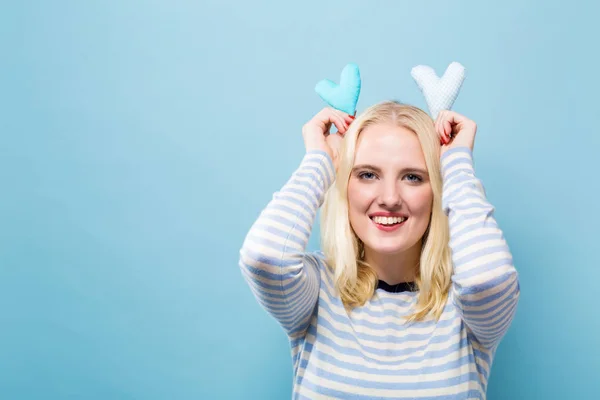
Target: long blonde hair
[(355, 280)]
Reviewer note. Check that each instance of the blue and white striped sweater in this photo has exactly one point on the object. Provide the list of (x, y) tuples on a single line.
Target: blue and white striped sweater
[(371, 352)]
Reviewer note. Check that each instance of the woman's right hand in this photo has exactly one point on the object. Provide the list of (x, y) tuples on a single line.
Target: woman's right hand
[(316, 132)]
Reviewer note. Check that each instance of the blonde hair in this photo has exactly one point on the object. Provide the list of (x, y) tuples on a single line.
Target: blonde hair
[(354, 279)]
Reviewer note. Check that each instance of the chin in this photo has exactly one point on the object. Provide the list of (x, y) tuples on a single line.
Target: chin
[(391, 247), (392, 244)]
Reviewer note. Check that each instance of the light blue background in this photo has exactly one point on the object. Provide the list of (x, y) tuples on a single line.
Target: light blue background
[(140, 140)]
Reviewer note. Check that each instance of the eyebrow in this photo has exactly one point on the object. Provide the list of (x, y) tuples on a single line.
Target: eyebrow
[(378, 170)]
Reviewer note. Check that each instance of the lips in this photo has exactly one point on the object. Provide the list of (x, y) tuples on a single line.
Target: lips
[(387, 214), (388, 222)]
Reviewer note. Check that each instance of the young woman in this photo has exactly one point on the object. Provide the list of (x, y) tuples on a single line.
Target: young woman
[(414, 287)]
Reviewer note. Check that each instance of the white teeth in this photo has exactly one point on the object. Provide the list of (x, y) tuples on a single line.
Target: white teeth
[(388, 220)]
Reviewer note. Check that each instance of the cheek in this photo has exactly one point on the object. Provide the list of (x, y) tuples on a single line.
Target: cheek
[(420, 201), (359, 197)]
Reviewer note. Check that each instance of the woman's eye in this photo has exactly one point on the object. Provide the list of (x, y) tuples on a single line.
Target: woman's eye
[(414, 178), (366, 175)]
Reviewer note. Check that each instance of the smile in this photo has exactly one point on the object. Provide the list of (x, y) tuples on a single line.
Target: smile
[(388, 224)]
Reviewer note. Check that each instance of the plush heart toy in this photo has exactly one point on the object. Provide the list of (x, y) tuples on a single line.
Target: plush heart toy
[(440, 93), (344, 96)]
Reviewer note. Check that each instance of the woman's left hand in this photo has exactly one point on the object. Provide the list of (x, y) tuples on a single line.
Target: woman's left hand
[(455, 130)]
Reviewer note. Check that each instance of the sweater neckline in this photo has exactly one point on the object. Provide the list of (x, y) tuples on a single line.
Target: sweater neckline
[(398, 287)]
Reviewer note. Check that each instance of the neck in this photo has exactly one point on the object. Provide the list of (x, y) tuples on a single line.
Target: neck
[(398, 267)]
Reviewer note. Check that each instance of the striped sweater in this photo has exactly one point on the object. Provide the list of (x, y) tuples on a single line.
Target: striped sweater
[(371, 352)]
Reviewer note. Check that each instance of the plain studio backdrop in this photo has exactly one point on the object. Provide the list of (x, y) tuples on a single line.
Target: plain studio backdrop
[(140, 140)]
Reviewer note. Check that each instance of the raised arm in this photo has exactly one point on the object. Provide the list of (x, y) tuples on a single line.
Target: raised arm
[(282, 275), (273, 258), (485, 282)]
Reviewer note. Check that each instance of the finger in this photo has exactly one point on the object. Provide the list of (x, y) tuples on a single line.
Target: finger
[(447, 129), (339, 123), (457, 122), (440, 123), (439, 128), (435, 128), (327, 128), (326, 117), (436, 123), (347, 118), (346, 126), (456, 117)]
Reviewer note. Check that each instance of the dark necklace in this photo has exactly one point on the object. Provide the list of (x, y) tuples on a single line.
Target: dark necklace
[(398, 287)]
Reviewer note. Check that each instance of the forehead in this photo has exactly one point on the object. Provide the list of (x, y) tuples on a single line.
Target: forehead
[(384, 144)]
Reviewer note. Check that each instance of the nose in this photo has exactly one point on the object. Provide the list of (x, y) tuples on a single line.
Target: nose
[(390, 196)]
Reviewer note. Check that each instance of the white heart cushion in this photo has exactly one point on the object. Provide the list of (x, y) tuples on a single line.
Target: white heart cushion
[(440, 93)]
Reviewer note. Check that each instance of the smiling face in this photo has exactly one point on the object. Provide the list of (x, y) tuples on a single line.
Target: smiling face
[(389, 193)]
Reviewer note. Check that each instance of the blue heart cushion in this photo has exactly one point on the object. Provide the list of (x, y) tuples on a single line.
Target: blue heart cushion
[(344, 96)]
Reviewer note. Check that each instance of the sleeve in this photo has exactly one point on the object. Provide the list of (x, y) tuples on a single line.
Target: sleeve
[(283, 277), (485, 284)]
